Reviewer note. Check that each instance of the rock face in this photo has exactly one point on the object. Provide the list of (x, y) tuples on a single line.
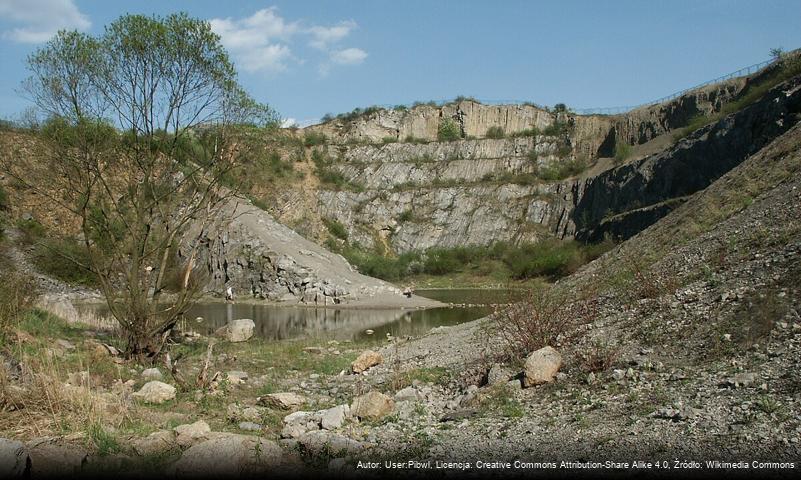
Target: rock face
[(372, 405), (366, 360), (541, 366), (228, 455), (155, 392), (238, 330), (477, 191), (258, 257)]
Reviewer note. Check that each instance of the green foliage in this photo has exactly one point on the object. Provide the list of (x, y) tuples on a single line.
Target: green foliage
[(336, 228), (556, 129), (406, 216), (17, 294), (556, 170), (448, 130), (529, 132), (622, 151), (65, 259), (311, 139), (495, 132), (330, 177), (387, 140)]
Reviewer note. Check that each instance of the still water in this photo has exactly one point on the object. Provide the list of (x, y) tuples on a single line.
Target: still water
[(275, 322)]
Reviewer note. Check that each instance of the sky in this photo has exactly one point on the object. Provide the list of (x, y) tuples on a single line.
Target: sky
[(309, 58)]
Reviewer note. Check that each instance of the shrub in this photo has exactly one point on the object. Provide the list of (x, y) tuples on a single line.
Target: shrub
[(529, 132), (622, 151), (406, 216), (386, 140), (336, 229), (3, 199), (311, 139), (555, 129), (448, 131), (17, 294), (542, 318), (561, 169), (598, 356), (495, 132), (63, 259)]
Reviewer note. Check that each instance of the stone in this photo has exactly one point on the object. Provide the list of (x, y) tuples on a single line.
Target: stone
[(191, 433), (66, 345), (155, 392), (372, 405), (498, 374), (334, 418), (13, 459), (228, 455), (743, 379), (237, 376), (237, 330), (298, 423), (366, 360), (48, 460), (323, 442), (152, 374), (155, 444), (408, 394), (283, 400), (250, 426), (541, 366)]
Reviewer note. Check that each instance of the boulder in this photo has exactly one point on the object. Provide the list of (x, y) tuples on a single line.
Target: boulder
[(13, 459), (48, 460), (372, 405), (152, 374), (155, 392), (541, 366), (227, 455), (283, 400), (333, 418), (238, 330), (155, 444), (323, 442), (408, 394), (298, 423), (498, 374), (366, 360), (237, 376), (191, 433)]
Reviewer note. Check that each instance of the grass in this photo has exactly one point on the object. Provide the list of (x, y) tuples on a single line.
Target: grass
[(622, 152), (311, 139), (336, 228), (330, 177), (495, 132), (499, 262)]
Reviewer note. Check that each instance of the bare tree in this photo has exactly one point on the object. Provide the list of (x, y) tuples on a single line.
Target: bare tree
[(139, 146)]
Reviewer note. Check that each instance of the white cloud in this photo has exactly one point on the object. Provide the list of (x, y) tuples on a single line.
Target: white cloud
[(261, 42), (348, 56), (322, 37), (40, 19)]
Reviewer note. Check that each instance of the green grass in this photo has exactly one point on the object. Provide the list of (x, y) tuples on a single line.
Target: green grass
[(65, 259), (311, 139), (495, 132), (622, 151), (335, 228)]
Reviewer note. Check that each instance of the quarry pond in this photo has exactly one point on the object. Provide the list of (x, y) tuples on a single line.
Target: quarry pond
[(279, 322)]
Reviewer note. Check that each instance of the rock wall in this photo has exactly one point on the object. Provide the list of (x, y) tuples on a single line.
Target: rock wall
[(479, 191)]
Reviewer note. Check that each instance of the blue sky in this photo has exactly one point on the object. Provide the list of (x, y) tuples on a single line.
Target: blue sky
[(308, 58)]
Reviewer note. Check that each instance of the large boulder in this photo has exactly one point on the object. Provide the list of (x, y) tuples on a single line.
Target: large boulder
[(372, 406), (155, 392), (228, 455), (191, 433), (238, 330), (283, 400), (334, 418), (13, 459), (152, 374), (321, 442), (157, 443), (541, 366), (49, 460), (366, 360)]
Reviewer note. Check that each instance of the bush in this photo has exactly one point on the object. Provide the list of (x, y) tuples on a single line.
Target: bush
[(311, 139), (495, 132), (17, 294), (561, 169), (65, 259), (542, 318), (3, 199), (448, 131), (336, 229), (555, 129), (622, 151)]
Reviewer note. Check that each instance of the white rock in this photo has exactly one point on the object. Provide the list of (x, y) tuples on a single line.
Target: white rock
[(541, 366), (372, 405), (155, 392), (13, 458), (191, 433), (333, 418), (228, 455), (366, 360), (284, 400), (238, 330), (152, 374)]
